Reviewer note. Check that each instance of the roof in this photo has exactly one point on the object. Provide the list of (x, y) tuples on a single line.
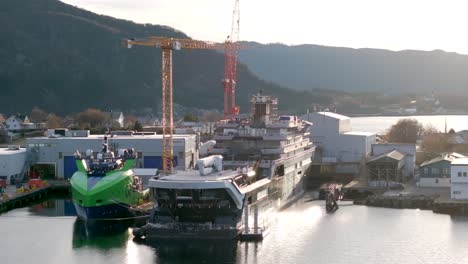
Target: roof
[(334, 115), (115, 115), (394, 154), (6, 151), (20, 117), (445, 156), (460, 161), (356, 133), (158, 136)]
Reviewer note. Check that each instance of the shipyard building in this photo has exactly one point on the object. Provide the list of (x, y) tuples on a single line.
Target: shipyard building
[(12, 162), (339, 149), (53, 155), (459, 179)]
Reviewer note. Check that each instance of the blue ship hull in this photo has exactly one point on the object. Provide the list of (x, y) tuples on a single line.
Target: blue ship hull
[(111, 211)]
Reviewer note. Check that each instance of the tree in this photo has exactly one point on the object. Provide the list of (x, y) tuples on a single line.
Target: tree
[(430, 130), (91, 118), (137, 126), (191, 118), (436, 143), (37, 115), (210, 117), (54, 121), (129, 121), (405, 131)]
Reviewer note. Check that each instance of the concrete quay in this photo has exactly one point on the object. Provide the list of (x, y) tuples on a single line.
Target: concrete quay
[(12, 199)]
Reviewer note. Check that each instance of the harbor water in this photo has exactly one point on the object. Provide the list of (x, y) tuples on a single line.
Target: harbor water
[(304, 233)]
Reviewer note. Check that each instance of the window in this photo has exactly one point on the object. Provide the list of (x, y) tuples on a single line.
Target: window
[(464, 174), (446, 172), (280, 170), (436, 180), (459, 174), (426, 171), (435, 171)]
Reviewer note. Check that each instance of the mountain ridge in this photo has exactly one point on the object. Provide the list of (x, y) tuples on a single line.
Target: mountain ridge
[(313, 66), (65, 59)]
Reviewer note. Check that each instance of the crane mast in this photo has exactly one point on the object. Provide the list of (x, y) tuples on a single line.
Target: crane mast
[(167, 45), (230, 65)]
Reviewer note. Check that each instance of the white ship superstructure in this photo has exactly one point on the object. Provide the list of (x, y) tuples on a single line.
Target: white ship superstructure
[(258, 165), (278, 147)]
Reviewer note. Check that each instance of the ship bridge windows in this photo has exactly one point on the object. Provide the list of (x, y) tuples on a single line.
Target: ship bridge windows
[(162, 194), (208, 195), (184, 194), (280, 170)]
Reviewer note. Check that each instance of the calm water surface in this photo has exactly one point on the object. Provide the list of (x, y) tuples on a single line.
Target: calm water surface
[(301, 234), (382, 123)]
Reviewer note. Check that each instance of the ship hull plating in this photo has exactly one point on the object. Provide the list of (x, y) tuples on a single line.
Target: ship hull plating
[(110, 211)]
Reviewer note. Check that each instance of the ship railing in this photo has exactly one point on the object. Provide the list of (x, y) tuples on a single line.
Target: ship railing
[(252, 133)]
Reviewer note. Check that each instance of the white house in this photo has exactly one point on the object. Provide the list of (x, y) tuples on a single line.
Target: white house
[(459, 179), (118, 117), (436, 172), (17, 122), (337, 143)]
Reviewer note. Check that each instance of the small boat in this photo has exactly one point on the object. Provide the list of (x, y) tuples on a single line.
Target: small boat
[(105, 186)]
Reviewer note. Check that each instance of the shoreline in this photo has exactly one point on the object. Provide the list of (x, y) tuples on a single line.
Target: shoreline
[(416, 201)]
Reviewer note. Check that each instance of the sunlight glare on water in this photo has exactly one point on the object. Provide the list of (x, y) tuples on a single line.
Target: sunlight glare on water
[(301, 234)]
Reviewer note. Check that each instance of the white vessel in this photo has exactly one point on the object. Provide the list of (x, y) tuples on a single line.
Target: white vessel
[(265, 161)]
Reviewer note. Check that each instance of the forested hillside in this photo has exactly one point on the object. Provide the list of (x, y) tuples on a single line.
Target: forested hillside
[(65, 59)]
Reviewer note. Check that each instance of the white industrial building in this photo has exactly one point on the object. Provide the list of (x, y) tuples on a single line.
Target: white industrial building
[(57, 151), (12, 161), (336, 143), (459, 179), (407, 149)]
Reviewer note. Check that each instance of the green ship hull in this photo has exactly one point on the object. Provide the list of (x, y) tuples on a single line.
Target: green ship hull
[(105, 196)]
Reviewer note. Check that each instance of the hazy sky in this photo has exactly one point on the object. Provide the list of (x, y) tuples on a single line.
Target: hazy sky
[(387, 24)]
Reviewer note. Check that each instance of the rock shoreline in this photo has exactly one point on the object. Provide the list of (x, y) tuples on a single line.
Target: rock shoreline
[(423, 202)]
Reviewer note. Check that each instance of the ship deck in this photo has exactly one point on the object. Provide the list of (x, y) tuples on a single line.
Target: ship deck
[(194, 175)]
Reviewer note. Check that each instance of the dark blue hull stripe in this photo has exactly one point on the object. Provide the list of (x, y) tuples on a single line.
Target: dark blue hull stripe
[(109, 211)]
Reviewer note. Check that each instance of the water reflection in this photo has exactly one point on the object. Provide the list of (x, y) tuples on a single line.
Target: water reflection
[(183, 251), (100, 234), (302, 234), (53, 208)]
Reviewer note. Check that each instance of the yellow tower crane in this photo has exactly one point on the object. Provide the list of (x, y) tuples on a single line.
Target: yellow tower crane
[(167, 45)]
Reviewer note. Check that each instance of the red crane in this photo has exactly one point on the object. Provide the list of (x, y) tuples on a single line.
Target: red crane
[(230, 65)]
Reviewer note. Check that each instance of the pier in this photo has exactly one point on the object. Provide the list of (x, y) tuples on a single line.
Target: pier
[(14, 199), (259, 229)]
